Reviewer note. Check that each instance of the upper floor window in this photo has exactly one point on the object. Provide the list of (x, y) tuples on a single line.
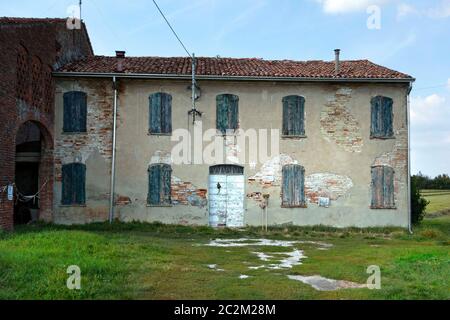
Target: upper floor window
[(294, 116), (73, 184), (293, 186), (159, 184), (160, 119), (382, 187), (227, 112), (381, 117), (75, 111)]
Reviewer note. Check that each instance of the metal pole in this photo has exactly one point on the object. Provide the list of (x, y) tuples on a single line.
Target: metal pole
[(113, 160), (193, 89)]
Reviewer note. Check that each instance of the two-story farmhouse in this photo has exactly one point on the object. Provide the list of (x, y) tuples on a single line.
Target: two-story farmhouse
[(308, 143)]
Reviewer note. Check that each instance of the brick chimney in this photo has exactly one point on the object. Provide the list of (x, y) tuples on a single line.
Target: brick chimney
[(120, 55)]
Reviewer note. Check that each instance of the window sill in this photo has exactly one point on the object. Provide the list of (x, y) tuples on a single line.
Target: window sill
[(72, 205), (74, 132), (383, 208), (159, 134), (160, 205), (289, 206), (288, 137), (381, 138)]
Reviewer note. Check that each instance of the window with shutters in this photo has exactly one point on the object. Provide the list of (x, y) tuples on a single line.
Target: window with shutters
[(381, 118), (159, 185), (75, 111), (382, 187), (160, 109), (293, 186), (73, 184), (294, 116), (227, 113)]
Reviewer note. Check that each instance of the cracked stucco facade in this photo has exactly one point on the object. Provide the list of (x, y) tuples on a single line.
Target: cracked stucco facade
[(337, 153)]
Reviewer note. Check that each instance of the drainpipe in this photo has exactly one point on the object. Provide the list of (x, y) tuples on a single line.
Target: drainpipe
[(113, 160), (408, 124)]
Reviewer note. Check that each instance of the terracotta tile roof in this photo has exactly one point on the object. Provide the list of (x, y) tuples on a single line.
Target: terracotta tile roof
[(229, 67), (18, 20)]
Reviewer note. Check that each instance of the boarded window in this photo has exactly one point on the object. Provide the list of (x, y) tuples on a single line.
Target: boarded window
[(73, 184), (160, 109), (382, 187), (159, 180), (381, 117), (294, 116), (227, 112), (293, 186), (75, 111)]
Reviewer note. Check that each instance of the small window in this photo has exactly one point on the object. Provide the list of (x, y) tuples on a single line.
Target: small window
[(381, 117), (159, 185), (75, 111), (293, 186), (227, 112), (294, 116), (160, 120), (73, 184), (382, 187)]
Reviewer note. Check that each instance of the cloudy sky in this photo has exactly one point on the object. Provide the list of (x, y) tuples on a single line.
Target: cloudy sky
[(413, 37)]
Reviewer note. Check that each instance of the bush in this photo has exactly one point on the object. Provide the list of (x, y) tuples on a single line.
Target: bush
[(418, 203)]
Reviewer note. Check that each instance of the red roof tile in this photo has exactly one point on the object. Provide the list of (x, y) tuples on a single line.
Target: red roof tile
[(252, 67)]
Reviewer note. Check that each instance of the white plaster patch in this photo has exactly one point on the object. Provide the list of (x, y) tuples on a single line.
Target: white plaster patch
[(324, 284), (327, 185), (270, 172), (161, 157)]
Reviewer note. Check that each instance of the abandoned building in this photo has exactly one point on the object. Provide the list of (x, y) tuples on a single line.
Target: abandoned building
[(107, 128)]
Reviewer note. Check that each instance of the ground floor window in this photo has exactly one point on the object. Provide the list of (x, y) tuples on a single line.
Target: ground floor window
[(159, 184)]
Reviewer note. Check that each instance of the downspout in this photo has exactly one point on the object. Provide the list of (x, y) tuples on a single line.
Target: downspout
[(408, 124), (113, 160)]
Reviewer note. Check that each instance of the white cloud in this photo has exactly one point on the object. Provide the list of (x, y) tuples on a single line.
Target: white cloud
[(430, 110), (404, 9), (441, 11), (448, 83), (346, 6)]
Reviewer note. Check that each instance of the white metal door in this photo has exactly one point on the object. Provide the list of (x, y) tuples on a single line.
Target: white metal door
[(226, 204)]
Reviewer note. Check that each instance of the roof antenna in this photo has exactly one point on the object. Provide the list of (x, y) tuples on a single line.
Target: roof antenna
[(79, 3), (194, 112)]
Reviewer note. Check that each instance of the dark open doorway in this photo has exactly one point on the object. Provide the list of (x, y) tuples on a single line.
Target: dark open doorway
[(28, 157)]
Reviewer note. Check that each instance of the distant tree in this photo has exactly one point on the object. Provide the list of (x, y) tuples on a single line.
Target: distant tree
[(418, 203)]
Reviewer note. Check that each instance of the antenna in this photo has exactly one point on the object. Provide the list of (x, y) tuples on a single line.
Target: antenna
[(194, 110), (79, 3)]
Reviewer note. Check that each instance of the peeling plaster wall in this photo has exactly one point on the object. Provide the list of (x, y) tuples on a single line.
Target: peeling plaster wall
[(337, 164)]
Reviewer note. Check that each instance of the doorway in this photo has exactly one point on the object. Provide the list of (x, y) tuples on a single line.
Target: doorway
[(226, 196)]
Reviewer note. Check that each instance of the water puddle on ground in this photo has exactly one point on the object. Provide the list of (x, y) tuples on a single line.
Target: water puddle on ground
[(284, 260)]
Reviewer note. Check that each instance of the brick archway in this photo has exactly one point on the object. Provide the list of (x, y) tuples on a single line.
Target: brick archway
[(45, 165)]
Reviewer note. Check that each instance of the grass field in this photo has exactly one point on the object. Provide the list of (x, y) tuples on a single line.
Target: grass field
[(439, 200), (154, 261)]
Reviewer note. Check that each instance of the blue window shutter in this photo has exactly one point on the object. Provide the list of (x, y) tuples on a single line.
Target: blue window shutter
[(388, 187), (154, 185), (293, 186), (155, 112), (382, 187), (79, 173), (222, 113), (166, 113), (73, 184), (293, 116), (375, 123), (166, 172), (75, 111), (377, 187), (66, 192), (233, 111), (387, 117), (286, 123)]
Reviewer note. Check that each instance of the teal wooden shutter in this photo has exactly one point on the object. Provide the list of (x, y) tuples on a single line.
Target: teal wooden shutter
[(383, 187), (166, 113), (66, 192), (293, 116), (233, 111), (221, 113), (75, 111), (377, 187), (154, 185), (375, 117), (155, 112), (387, 117), (293, 186), (166, 173), (388, 187)]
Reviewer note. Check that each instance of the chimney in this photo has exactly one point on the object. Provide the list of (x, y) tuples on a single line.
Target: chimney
[(120, 55), (336, 61)]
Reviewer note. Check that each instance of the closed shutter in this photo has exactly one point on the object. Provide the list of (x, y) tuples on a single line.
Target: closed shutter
[(382, 187), (227, 112), (75, 111), (233, 111), (381, 124), (154, 185), (293, 116), (387, 117), (155, 113), (73, 184), (166, 113), (166, 172), (293, 186)]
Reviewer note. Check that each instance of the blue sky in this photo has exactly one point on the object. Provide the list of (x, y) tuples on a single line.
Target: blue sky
[(414, 37)]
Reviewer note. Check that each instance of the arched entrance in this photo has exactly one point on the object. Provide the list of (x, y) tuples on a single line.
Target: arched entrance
[(33, 174), (226, 196)]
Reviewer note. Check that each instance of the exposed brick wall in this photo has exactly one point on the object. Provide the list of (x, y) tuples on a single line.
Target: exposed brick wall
[(27, 56), (328, 185), (338, 125), (185, 193)]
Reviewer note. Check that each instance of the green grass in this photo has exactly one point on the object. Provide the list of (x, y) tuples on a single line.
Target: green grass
[(155, 261), (439, 200)]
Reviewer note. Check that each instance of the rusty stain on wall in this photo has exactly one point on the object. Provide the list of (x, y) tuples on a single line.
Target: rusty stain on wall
[(338, 125), (328, 185)]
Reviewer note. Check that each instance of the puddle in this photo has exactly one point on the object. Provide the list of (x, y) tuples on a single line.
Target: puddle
[(293, 259), (243, 276), (325, 284), (243, 242), (214, 267)]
